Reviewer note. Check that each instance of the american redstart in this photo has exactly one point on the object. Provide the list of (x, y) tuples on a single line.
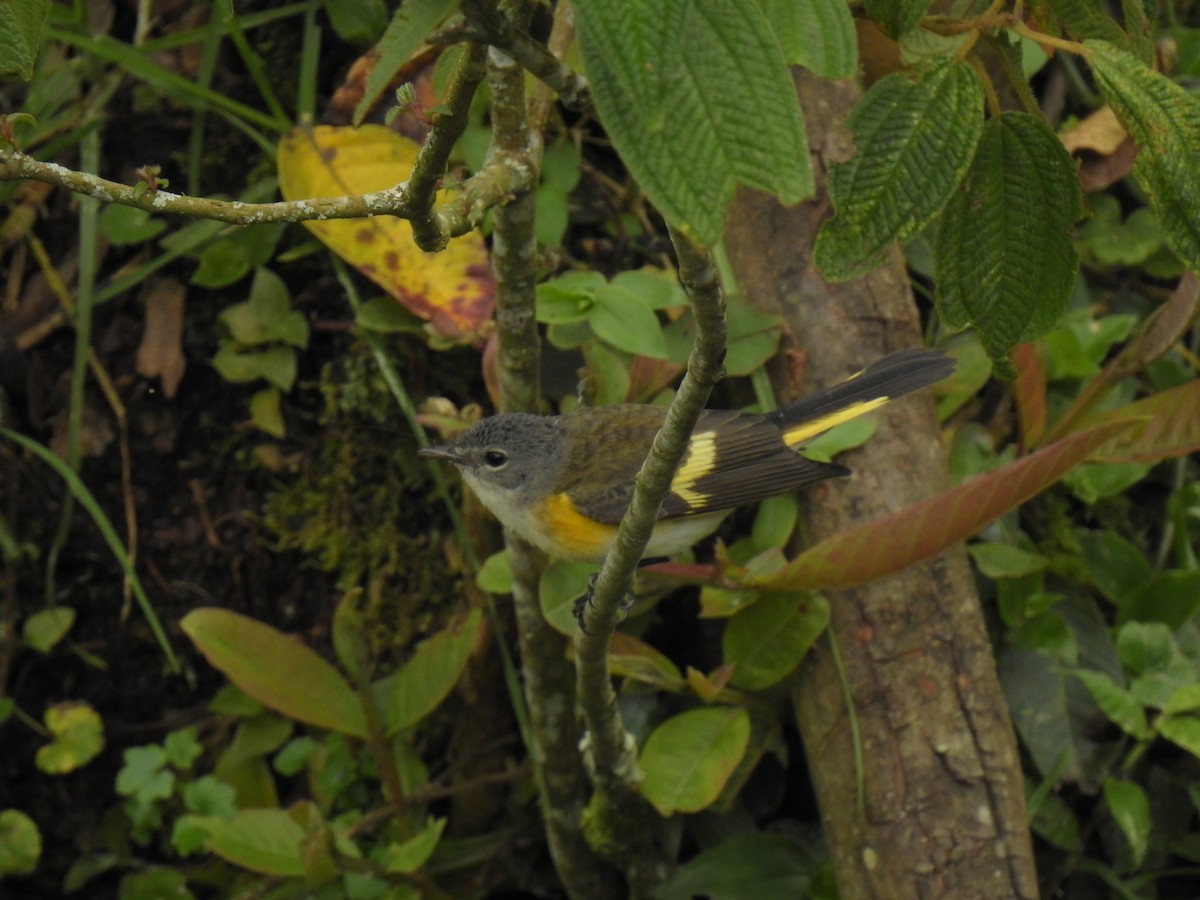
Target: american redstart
[(564, 482)]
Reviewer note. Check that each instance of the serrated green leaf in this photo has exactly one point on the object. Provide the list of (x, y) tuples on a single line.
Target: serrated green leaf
[(1164, 121), (896, 17), (279, 672), (1121, 707), (1130, 808), (816, 34), (425, 680), (916, 133), (1085, 19), (412, 21), (688, 759), (697, 98), (21, 24), (1004, 256), (767, 640)]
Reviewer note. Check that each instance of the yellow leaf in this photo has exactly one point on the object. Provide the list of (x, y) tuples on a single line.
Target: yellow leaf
[(453, 290)]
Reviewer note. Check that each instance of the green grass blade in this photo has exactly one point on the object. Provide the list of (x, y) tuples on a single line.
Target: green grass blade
[(86, 499)]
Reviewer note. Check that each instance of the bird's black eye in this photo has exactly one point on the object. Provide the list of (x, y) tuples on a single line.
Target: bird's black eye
[(495, 459)]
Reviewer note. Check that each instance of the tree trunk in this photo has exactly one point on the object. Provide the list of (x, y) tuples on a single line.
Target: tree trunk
[(943, 810)]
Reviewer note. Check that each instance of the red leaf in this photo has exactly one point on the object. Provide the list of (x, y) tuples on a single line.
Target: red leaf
[(1172, 427), (924, 529)]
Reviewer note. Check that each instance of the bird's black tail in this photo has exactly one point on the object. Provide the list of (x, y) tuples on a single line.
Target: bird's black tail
[(893, 376)]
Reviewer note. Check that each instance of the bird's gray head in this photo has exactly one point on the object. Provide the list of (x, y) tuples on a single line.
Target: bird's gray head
[(509, 452)]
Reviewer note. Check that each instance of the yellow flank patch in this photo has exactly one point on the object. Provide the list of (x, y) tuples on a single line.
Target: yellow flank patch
[(804, 431), (573, 532), (701, 460)]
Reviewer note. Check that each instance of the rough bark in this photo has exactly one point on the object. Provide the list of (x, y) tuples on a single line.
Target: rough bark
[(943, 812)]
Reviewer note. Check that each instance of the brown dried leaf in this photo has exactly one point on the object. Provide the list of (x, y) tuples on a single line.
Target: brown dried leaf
[(160, 355)]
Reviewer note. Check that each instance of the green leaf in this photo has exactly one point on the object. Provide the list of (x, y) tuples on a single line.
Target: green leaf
[(689, 758), (1121, 707), (124, 225), (20, 843), (1146, 647), (1164, 121), (896, 17), (697, 98), (44, 629), (1181, 730), (412, 21), (625, 321), (766, 640), (997, 560), (261, 840), (21, 24), (182, 748), (78, 738), (568, 298), (916, 134), (816, 34), (144, 776), (1004, 256), (1169, 597), (560, 586), (839, 439), (276, 364), (357, 21), (657, 288), (1036, 692), (425, 680), (1087, 19), (408, 857), (266, 411), (1130, 808), (279, 672), (387, 316), (775, 521), (209, 796), (495, 575), (752, 866), (1115, 566)]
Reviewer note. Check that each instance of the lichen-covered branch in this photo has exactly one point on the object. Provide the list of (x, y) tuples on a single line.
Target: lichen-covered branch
[(429, 229), (617, 807), (548, 677), (493, 27), (501, 178)]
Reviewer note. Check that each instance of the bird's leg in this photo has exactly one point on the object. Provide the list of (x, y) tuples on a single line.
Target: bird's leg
[(630, 598)]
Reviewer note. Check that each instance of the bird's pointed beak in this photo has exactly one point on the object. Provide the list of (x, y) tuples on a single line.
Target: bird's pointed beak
[(447, 452)]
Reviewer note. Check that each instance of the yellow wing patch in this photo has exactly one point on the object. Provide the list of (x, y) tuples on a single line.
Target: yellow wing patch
[(571, 532), (807, 430), (700, 461)]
